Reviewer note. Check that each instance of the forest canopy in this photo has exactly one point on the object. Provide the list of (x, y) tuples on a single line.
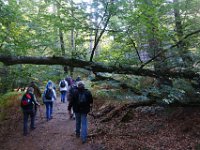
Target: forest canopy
[(157, 38)]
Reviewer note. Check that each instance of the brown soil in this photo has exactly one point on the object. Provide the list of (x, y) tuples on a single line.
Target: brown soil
[(175, 128)]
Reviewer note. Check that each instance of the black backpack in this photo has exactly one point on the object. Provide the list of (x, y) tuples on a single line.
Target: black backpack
[(62, 84), (82, 98), (49, 94), (26, 100)]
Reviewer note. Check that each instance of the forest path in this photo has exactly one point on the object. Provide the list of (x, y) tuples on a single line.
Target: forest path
[(56, 134)]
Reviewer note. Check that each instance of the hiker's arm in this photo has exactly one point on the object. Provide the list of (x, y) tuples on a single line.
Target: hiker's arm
[(90, 98), (43, 96), (34, 100), (54, 95), (69, 106), (70, 101)]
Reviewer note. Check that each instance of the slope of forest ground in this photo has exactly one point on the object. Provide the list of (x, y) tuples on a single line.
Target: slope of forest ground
[(111, 127), (146, 127)]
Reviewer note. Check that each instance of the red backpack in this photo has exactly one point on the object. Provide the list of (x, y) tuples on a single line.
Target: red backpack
[(26, 100)]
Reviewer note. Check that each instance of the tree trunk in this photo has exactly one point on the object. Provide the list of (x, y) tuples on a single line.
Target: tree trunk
[(179, 30), (62, 44), (97, 67)]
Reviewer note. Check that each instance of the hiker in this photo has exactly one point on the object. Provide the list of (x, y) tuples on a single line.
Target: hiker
[(81, 102), (37, 93), (63, 90), (49, 96), (72, 89), (78, 79), (27, 104)]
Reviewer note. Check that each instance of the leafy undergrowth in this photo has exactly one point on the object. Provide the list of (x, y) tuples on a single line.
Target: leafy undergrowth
[(116, 127), (9, 112)]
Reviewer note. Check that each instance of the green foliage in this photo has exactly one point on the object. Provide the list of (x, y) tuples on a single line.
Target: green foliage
[(31, 28), (174, 95), (183, 85), (7, 101), (20, 76)]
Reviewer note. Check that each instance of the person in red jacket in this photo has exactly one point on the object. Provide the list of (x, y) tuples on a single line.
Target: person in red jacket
[(27, 104)]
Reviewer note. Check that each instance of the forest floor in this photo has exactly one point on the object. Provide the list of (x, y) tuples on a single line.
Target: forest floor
[(111, 127)]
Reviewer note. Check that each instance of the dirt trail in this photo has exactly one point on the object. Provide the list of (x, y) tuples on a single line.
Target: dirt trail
[(57, 134)]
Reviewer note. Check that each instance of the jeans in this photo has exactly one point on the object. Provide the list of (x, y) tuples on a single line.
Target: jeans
[(63, 96), (81, 125), (49, 110), (26, 116)]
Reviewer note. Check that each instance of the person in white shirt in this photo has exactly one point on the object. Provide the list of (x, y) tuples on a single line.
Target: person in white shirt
[(63, 90)]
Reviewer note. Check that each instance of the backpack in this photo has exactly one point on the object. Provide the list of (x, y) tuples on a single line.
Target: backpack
[(49, 94), (62, 84), (82, 99), (26, 100)]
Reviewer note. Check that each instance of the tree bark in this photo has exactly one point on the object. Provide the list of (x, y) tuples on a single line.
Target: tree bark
[(97, 67)]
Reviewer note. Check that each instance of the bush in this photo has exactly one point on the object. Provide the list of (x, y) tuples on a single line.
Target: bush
[(8, 101)]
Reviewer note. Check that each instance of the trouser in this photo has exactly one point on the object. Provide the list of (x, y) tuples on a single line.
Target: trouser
[(63, 96), (49, 110), (81, 125), (30, 113)]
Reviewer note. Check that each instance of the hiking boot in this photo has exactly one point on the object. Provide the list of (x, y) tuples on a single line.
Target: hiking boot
[(25, 134), (77, 135), (71, 116), (83, 141), (33, 128)]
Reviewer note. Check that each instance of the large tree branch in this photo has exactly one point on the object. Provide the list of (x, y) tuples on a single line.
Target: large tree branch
[(184, 38), (165, 50), (96, 67), (98, 39)]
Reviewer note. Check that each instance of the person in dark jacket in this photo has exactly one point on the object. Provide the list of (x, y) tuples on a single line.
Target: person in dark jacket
[(28, 109), (81, 102), (72, 89), (37, 93)]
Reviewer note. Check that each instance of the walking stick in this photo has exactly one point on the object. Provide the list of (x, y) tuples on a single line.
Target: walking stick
[(40, 112)]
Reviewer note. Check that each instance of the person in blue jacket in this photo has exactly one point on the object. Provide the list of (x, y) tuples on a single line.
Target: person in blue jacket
[(49, 96)]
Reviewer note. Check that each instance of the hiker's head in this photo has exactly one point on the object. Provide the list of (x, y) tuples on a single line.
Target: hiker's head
[(50, 84), (78, 78), (81, 85), (30, 90)]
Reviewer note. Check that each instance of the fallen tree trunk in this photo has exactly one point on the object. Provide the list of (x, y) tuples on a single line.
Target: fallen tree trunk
[(97, 67)]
